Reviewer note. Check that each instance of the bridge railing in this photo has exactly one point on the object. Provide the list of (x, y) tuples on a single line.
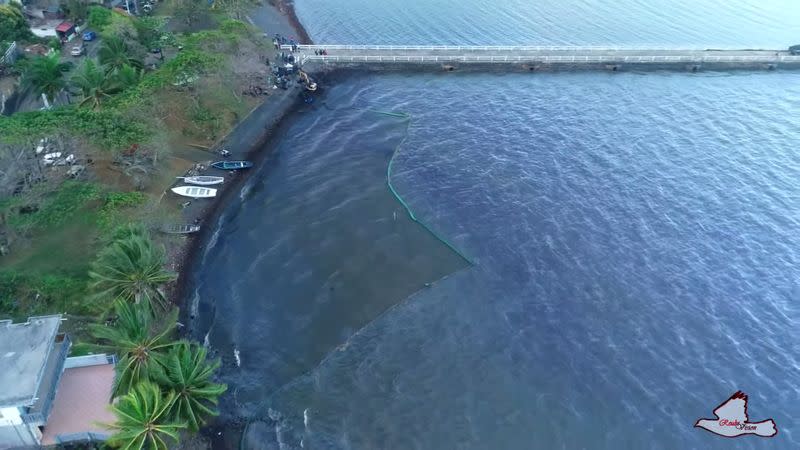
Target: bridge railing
[(521, 48), (548, 59)]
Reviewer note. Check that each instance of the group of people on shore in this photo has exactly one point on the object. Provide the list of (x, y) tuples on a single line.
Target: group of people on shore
[(280, 40)]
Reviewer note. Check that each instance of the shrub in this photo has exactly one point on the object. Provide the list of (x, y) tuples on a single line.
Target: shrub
[(57, 208), (107, 129), (13, 26), (99, 17), (24, 294), (110, 213)]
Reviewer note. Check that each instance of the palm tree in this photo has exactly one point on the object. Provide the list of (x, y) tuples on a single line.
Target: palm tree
[(95, 84), (45, 75), (186, 373), (138, 339), (114, 54), (127, 75), (131, 268), (143, 421)]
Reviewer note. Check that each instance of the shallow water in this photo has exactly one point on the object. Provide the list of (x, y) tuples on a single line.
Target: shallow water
[(634, 237)]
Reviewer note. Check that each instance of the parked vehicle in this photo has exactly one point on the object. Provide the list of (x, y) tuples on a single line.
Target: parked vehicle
[(195, 191), (232, 165), (78, 50), (203, 180), (89, 36)]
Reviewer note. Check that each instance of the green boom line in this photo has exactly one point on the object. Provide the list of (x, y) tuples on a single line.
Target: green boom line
[(408, 118)]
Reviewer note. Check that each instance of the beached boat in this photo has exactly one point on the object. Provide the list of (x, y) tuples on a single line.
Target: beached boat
[(194, 191), (232, 165), (203, 180), (180, 229)]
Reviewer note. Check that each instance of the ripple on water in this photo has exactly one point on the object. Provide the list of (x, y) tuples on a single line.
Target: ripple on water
[(635, 267)]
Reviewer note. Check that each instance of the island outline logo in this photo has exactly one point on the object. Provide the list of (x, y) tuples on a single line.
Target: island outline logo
[(732, 420)]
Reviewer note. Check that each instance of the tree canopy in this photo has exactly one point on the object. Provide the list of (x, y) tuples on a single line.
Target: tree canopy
[(143, 419), (131, 268), (13, 26), (45, 75), (99, 17), (186, 372)]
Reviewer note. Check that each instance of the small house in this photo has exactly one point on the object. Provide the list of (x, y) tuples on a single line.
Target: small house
[(65, 30), (46, 397)]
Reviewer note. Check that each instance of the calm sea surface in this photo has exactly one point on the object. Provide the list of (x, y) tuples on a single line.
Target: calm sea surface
[(634, 240)]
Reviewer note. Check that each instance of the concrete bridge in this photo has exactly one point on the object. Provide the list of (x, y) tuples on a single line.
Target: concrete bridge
[(546, 57)]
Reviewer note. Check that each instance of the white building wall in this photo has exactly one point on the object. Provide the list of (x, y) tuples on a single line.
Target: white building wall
[(10, 416), (14, 433)]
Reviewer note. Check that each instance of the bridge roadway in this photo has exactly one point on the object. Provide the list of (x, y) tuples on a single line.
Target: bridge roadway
[(568, 55)]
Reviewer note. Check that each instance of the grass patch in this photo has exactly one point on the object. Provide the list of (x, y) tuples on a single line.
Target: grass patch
[(56, 208), (106, 129), (116, 205), (29, 294)]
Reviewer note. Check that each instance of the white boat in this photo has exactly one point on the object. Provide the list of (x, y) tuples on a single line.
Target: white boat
[(195, 191), (203, 180), (180, 229)]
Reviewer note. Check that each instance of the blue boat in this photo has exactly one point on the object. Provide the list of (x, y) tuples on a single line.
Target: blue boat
[(232, 165)]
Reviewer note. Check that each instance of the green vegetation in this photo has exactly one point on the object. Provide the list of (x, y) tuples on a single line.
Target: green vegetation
[(138, 339), (34, 294), (68, 246), (111, 214), (45, 75), (143, 419), (98, 85), (172, 379), (99, 17), (107, 129), (13, 26), (114, 54), (55, 208), (187, 373), (131, 268), (120, 26)]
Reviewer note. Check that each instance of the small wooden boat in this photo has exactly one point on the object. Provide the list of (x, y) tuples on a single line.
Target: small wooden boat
[(232, 165), (180, 229), (195, 191), (203, 180)]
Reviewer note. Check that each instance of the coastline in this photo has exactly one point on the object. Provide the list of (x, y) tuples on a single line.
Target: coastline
[(246, 141), (286, 8)]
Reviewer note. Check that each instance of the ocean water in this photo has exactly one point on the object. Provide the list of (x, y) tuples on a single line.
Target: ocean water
[(632, 241)]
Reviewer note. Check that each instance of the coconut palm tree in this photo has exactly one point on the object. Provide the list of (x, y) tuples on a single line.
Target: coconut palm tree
[(187, 374), (45, 75), (138, 339), (114, 54), (95, 84), (131, 268), (143, 421), (127, 75)]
